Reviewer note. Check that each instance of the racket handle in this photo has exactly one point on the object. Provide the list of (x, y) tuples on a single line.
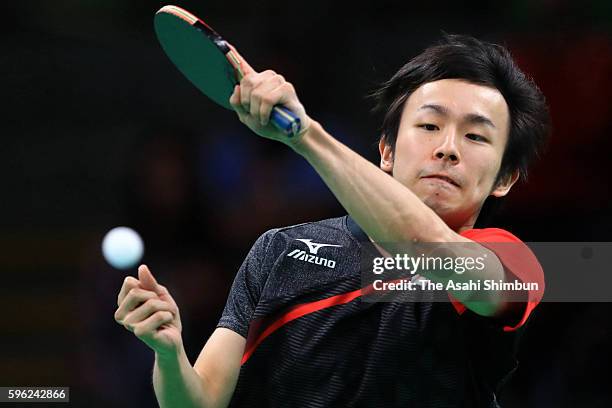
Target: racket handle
[(285, 121)]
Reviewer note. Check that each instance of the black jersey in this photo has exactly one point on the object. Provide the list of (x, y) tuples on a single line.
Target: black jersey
[(312, 341)]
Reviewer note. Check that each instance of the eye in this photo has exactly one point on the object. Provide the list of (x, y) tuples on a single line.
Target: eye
[(429, 127), (476, 138)]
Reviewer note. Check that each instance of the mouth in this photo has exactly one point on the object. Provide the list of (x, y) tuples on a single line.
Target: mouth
[(443, 178)]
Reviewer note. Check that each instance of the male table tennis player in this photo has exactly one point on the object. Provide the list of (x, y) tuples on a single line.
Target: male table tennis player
[(462, 123)]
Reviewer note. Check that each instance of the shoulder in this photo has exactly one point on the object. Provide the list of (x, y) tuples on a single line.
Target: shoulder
[(327, 231)]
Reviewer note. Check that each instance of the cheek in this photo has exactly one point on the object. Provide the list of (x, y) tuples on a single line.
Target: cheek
[(410, 146), (407, 156), (486, 172)]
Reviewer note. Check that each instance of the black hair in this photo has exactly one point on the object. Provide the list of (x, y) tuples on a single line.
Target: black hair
[(478, 62)]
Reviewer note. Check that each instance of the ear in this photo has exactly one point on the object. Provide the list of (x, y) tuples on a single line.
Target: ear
[(504, 185), (386, 156)]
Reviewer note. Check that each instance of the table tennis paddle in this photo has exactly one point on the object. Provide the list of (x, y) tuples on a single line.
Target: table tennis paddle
[(208, 61)]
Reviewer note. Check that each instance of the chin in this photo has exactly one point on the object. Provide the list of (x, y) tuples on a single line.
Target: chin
[(439, 206), (437, 199), (451, 215)]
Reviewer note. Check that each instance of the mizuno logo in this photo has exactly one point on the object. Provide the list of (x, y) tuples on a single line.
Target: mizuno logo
[(313, 248)]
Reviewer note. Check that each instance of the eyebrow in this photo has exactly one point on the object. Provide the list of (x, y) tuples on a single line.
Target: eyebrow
[(473, 118)]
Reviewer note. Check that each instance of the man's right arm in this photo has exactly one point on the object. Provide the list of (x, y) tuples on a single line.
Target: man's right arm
[(209, 383)]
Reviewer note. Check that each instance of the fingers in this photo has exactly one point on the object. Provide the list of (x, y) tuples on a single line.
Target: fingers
[(129, 283), (254, 99), (235, 102), (258, 93), (244, 66), (145, 310), (133, 299), (249, 83), (149, 326), (276, 96), (147, 280), (264, 97)]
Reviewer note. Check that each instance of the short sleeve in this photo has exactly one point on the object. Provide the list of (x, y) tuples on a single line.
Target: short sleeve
[(247, 287), (519, 263)]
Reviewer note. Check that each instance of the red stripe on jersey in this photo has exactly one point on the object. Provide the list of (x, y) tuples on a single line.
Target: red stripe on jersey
[(294, 313)]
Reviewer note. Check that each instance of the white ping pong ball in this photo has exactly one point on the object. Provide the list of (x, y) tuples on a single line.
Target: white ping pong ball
[(122, 247)]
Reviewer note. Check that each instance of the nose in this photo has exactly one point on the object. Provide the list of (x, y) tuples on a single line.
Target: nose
[(448, 149)]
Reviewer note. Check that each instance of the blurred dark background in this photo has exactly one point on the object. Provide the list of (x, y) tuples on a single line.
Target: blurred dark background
[(101, 130)]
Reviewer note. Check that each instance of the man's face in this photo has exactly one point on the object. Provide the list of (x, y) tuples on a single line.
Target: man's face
[(449, 148)]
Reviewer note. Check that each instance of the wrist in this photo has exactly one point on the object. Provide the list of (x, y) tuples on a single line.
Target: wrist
[(170, 358), (301, 142)]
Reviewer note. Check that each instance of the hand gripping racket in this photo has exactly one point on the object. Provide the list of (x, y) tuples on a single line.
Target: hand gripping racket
[(208, 61)]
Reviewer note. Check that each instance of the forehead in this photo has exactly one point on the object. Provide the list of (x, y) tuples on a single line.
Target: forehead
[(460, 98)]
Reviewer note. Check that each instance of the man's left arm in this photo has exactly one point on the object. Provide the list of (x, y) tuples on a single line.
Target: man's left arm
[(386, 210)]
